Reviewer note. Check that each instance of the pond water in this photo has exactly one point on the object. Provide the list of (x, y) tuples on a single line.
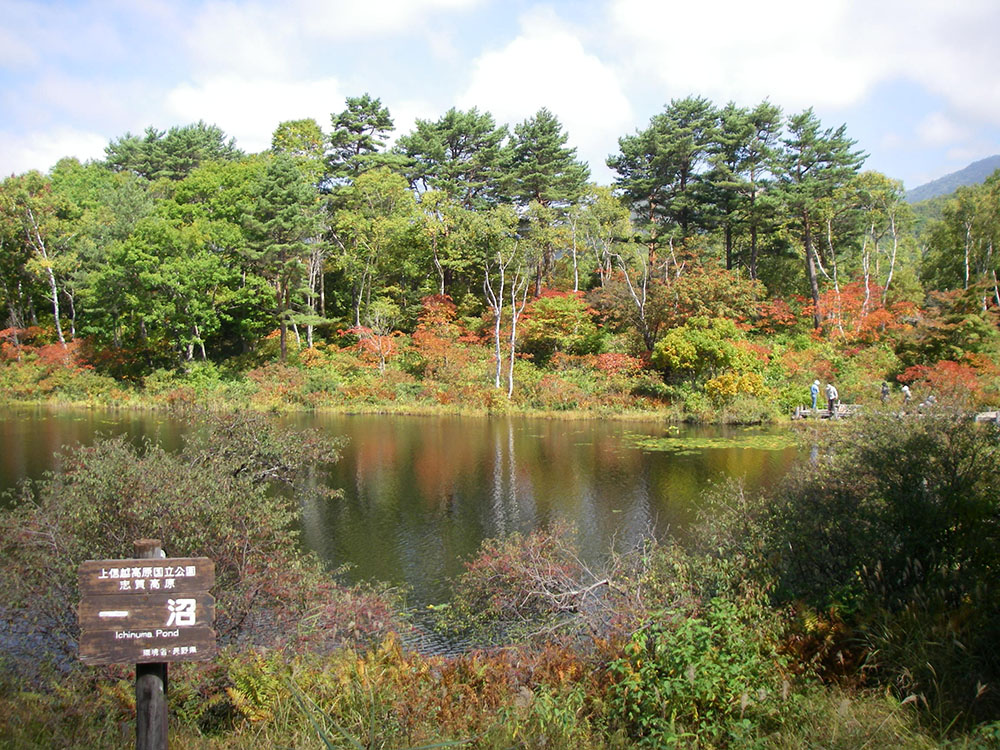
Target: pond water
[(419, 494)]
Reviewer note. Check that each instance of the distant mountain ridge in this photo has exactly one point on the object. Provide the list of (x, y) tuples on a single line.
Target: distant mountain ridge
[(974, 174)]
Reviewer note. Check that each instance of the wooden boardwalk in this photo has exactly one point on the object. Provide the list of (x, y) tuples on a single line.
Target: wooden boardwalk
[(840, 411), (843, 411)]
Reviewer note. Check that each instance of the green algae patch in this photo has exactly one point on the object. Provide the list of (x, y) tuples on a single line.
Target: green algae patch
[(689, 445)]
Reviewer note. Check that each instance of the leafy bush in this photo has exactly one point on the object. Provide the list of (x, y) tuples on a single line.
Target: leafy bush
[(893, 530), (698, 678), (513, 585), (559, 322)]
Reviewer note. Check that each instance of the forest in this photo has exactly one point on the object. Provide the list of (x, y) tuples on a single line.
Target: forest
[(739, 254)]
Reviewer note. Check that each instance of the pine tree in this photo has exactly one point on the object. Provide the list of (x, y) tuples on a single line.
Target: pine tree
[(815, 163), (279, 225), (542, 167), (360, 134), (462, 154)]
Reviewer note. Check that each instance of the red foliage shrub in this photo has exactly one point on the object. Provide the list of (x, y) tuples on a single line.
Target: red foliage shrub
[(947, 379), (758, 351), (858, 313), (437, 335), (16, 342), (774, 315), (612, 363), (376, 348)]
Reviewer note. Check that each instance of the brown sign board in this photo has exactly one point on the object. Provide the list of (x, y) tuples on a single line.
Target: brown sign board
[(141, 576), (132, 611), (139, 646), (146, 610)]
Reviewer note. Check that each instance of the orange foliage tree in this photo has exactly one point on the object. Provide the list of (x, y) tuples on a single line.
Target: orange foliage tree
[(855, 311), (435, 340), (953, 381)]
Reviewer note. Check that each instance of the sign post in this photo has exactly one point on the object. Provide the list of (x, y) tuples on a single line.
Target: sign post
[(149, 610), (150, 681)]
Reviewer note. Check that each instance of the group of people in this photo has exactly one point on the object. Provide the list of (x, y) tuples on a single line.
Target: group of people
[(905, 390), (833, 397)]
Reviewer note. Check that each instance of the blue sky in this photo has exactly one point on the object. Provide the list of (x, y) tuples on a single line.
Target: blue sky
[(915, 81)]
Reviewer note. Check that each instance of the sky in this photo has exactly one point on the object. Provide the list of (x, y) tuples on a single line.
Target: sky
[(917, 82)]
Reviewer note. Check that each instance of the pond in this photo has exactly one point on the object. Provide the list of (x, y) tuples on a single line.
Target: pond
[(419, 494)]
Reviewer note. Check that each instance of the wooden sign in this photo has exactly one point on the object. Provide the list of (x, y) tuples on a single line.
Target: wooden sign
[(146, 610), (137, 646), (139, 576), (120, 611)]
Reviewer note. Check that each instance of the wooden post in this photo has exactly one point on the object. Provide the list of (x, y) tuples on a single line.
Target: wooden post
[(150, 682)]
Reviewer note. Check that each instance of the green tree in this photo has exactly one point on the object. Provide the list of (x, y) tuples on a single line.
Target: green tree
[(18, 284), (305, 141), (444, 226), (702, 348), (359, 137), (506, 278), (659, 171), (39, 223), (101, 207), (961, 244), (740, 177), (122, 296), (600, 221), (160, 290), (172, 154), (815, 162), (559, 322), (280, 225), (218, 196), (952, 326), (546, 178), (372, 231), (543, 168), (463, 154), (886, 217)]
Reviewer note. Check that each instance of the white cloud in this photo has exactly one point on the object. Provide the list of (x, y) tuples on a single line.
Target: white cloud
[(799, 54), (226, 37), (343, 19), (276, 38), (949, 48), (249, 109), (938, 129), (41, 150), (792, 52), (15, 50), (546, 65)]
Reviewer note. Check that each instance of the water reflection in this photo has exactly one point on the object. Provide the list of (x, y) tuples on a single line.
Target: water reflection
[(420, 494)]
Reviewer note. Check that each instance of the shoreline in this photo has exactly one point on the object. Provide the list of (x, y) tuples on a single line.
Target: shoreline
[(665, 416)]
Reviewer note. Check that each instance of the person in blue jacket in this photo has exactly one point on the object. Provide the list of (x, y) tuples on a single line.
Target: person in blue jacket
[(814, 392)]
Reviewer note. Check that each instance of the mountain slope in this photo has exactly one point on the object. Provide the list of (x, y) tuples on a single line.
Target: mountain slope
[(973, 174)]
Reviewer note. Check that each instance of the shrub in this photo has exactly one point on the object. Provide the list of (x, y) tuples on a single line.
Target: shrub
[(695, 678), (893, 531), (559, 322), (513, 586)]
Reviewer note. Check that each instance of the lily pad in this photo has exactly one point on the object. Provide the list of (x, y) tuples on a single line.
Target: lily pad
[(682, 445)]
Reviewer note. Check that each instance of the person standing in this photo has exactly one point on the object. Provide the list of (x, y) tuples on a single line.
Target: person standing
[(906, 394), (885, 392), (814, 392), (831, 398)]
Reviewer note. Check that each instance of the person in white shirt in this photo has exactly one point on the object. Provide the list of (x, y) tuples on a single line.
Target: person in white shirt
[(831, 397)]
